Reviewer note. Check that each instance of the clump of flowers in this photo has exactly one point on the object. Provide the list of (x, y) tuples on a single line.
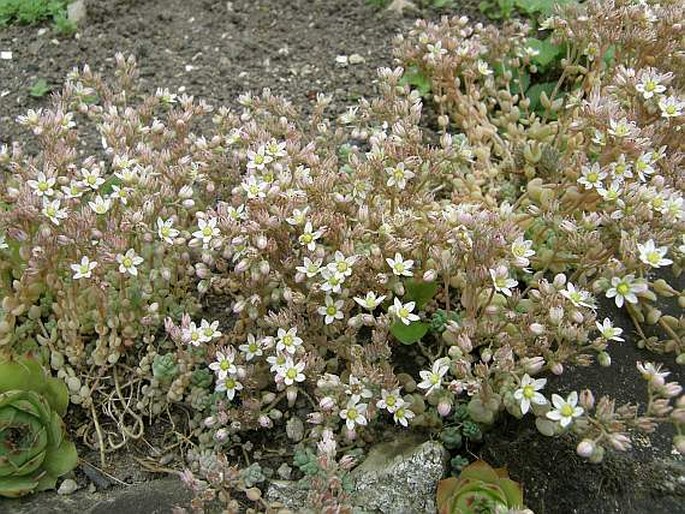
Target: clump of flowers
[(485, 249)]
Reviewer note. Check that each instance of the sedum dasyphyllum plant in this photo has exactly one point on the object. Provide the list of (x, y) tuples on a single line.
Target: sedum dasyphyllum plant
[(338, 243)]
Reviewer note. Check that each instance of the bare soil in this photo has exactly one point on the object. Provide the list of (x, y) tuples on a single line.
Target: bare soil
[(217, 50)]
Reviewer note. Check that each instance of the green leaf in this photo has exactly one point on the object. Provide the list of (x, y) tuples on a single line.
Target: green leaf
[(414, 77), (420, 292), (548, 51), (409, 334), (534, 93), (39, 89), (545, 7)]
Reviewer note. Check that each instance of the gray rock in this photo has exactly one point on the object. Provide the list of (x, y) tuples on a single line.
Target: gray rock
[(399, 477), (76, 11), (67, 486)]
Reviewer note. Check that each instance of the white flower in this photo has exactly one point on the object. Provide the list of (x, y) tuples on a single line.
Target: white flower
[(644, 165), (370, 301), (224, 363), (652, 255), (91, 178), (353, 414), (259, 159), (390, 400), (521, 250), (277, 362), (100, 205), (84, 268), (577, 297), (357, 390), (251, 349), (237, 213), (432, 380), (625, 289), (342, 264), (192, 334), (565, 410), (528, 392), (230, 385), (309, 237), (649, 85), (612, 193), (403, 312), (592, 176), (276, 149), (299, 217), (501, 280), (436, 51), (129, 261), (402, 416), (209, 331), (165, 96), (621, 128), (671, 107), (73, 190), (255, 188), (122, 194), (332, 281), (288, 341), (400, 267), (620, 169), (51, 209), (310, 268), (3, 244), (43, 186), (207, 229), (291, 372), (651, 372), (398, 176), (332, 310), (166, 231), (608, 331), (483, 68)]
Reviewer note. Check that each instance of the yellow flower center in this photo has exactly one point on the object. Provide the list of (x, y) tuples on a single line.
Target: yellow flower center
[(331, 310), (528, 391), (566, 411), (623, 288)]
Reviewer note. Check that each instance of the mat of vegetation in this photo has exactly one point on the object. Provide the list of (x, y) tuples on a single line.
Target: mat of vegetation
[(217, 50)]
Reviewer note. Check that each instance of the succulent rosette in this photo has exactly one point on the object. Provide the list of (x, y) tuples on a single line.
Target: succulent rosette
[(479, 488), (34, 449)]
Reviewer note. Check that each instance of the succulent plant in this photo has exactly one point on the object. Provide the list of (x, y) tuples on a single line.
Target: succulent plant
[(479, 489), (34, 449)]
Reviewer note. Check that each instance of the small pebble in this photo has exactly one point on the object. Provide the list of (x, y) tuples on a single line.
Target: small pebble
[(356, 59), (67, 486), (341, 60), (6, 56)]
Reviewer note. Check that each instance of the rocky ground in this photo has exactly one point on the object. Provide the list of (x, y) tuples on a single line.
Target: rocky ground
[(218, 49)]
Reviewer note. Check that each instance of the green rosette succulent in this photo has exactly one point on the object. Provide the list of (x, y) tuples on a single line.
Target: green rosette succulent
[(34, 449), (480, 489)]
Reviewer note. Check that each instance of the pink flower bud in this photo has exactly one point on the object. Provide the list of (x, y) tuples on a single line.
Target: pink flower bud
[(586, 399), (221, 435), (315, 418), (291, 395), (585, 448), (265, 421), (327, 403), (444, 407), (210, 421), (533, 365), (261, 242), (559, 281), (557, 368), (671, 389), (577, 317), (619, 442), (556, 314), (537, 328), (430, 275), (242, 266)]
